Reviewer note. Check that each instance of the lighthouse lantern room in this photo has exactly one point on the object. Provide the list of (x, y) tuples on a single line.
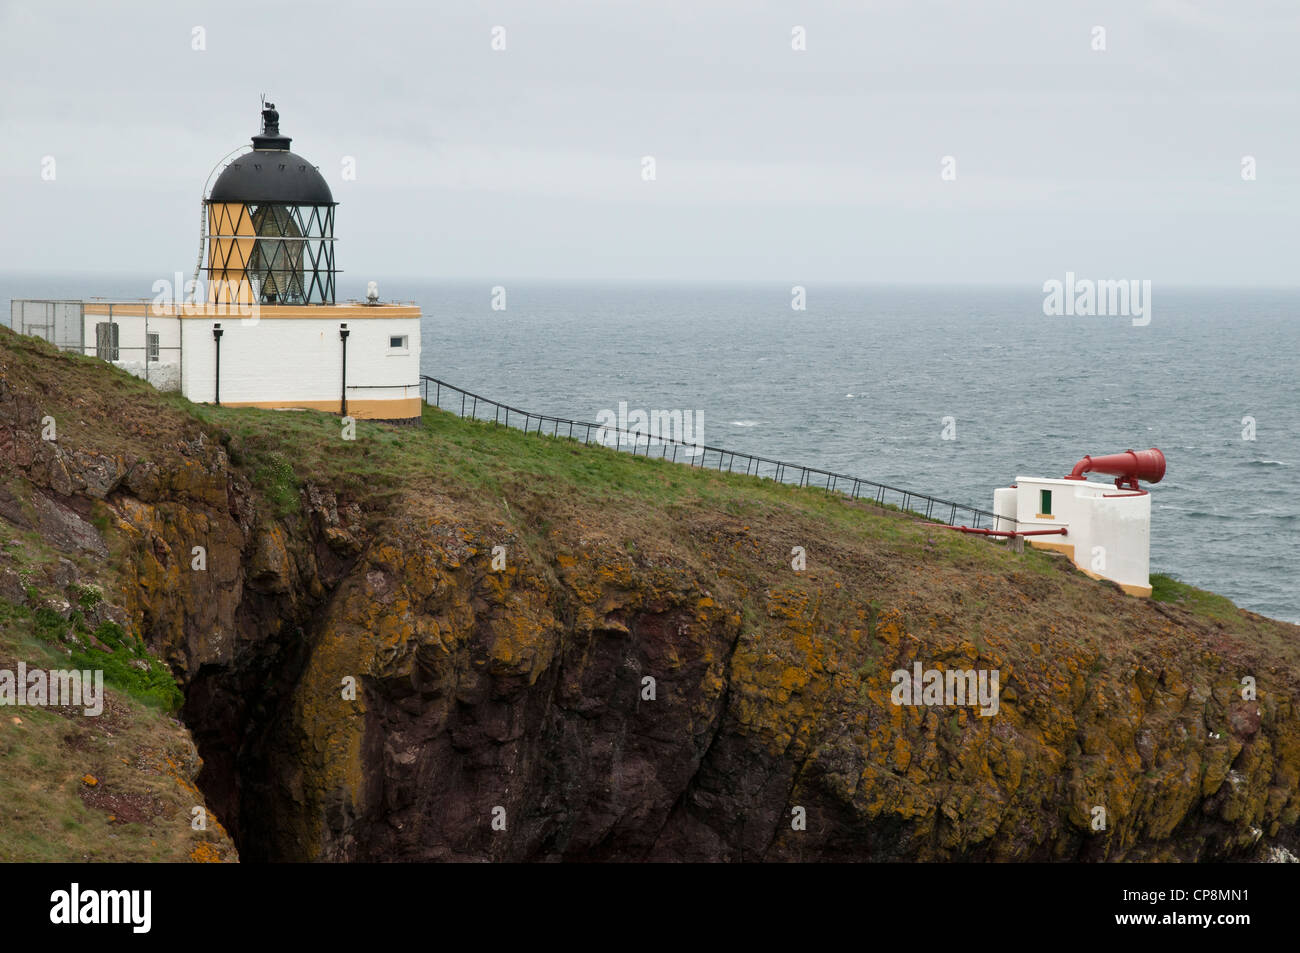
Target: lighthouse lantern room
[(270, 226)]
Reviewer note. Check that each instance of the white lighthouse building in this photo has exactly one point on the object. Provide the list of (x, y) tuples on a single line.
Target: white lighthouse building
[(261, 326), (1107, 528)]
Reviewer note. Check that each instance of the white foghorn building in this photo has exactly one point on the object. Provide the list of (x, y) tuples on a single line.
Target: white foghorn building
[(262, 327), (1107, 527)]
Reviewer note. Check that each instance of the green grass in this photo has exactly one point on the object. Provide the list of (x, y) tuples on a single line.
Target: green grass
[(88, 597), (1165, 588), (148, 681), (51, 756), (279, 484), (493, 463), (99, 517)]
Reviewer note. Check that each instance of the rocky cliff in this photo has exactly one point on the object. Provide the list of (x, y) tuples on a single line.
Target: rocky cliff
[(458, 642)]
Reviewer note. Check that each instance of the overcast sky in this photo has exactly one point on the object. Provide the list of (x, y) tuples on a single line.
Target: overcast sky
[(770, 163)]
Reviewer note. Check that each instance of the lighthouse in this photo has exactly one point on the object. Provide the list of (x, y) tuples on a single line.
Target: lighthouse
[(260, 325)]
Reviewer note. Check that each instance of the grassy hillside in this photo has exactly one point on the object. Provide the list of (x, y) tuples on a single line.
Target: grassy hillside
[(113, 787)]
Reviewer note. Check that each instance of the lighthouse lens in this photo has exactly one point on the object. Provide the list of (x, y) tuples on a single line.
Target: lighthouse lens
[(276, 262)]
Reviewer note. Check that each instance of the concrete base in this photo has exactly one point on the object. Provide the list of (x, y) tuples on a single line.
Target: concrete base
[(406, 408), (1068, 550)]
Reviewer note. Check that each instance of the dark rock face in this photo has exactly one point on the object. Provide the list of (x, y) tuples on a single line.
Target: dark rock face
[(381, 692), (64, 529), (12, 588), (554, 733)]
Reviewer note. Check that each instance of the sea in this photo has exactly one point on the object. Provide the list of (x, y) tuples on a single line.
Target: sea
[(946, 390)]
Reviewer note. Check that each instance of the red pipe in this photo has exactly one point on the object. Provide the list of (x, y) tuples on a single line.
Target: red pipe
[(1127, 467), (1011, 533)]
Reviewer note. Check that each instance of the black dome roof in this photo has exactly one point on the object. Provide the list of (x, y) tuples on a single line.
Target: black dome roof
[(271, 173)]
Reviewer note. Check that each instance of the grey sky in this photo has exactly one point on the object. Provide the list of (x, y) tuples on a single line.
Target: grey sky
[(810, 165)]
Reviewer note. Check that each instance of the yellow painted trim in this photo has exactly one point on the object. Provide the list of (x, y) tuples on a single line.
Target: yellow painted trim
[(1044, 516), (267, 312), (1139, 591), (397, 409), (1068, 549)]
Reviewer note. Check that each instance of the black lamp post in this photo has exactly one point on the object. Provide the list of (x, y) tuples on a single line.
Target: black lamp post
[(216, 336), (343, 336)]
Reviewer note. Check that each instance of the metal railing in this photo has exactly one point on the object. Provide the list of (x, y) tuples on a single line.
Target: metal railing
[(468, 404)]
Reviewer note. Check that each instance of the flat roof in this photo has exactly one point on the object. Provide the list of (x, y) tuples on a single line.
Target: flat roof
[(1060, 481), (209, 311)]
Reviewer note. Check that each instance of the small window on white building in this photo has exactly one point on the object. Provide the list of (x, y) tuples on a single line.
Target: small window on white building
[(153, 347), (106, 341), (397, 343)]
